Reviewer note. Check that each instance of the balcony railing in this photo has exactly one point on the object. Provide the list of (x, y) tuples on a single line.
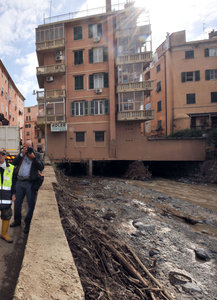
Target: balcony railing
[(53, 69), (134, 58), (51, 119), (42, 97), (135, 86), (139, 30), (55, 44), (141, 115)]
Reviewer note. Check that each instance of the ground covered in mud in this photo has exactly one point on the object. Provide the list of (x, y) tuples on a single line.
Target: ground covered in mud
[(133, 239)]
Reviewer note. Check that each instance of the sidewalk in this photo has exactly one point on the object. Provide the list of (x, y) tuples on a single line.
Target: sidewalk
[(48, 270)]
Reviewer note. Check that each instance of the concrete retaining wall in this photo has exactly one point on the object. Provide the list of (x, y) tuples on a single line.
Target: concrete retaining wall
[(48, 270)]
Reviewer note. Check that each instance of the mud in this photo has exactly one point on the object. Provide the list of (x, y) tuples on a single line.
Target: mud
[(171, 227)]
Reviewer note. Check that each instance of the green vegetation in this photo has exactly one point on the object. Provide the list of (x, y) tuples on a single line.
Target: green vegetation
[(212, 137), (187, 133)]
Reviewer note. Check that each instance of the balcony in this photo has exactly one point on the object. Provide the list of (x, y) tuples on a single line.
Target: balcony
[(50, 70), (139, 30), (135, 86), (50, 119), (50, 45), (141, 115), (43, 97), (134, 58)]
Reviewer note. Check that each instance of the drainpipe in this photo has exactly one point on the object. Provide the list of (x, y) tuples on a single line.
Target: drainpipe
[(165, 75)]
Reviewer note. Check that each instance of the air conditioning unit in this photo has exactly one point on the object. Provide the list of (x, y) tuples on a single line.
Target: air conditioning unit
[(96, 39), (59, 55), (49, 78), (98, 91)]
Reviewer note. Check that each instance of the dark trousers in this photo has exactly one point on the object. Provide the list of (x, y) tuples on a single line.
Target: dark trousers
[(24, 188)]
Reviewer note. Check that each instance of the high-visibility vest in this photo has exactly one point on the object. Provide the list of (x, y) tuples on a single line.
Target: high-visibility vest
[(5, 186)]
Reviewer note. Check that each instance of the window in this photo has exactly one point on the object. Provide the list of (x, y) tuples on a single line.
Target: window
[(29, 109), (193, 122), (99, 107), (94, 30), (210, 52), (158, 68), (158, 87), (189, 54), (78, 57), (98, 55), (27, 133), (77, 33), (99, 136), (190, 99), (190, 76), (79, 108), (211, 74), (213, 97), (98, 81), (159, 108), (79, 82), (39, 140), (159, 125), (80, 136)]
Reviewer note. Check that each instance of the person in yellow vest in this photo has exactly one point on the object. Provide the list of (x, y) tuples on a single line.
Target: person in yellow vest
[(7, 193)]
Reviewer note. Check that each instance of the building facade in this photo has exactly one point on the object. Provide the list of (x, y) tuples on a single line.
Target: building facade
[(185, 89), (31, 130), (91, 102), (11, 101)]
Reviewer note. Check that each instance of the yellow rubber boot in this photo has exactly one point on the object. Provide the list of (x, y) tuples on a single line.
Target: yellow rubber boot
[(4, 235)]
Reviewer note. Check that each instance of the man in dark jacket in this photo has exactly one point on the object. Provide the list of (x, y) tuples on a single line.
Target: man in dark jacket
[(28, 165), (7, 193)]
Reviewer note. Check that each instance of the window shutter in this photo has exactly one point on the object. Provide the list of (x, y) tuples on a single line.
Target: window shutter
[(106, 83), (86, 107), (207, 75), (76, 57), (106, 103), (92, 107), (91, 82), (90, 56), (197, 75), (183, 76), (99, 29), (206, 52), (90, 31), (72, 108), (105, 54)]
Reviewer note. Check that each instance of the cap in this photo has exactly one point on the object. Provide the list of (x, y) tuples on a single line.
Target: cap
[(2, 151)]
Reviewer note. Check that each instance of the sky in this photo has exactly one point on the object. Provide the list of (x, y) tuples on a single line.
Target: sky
[(19, 18)]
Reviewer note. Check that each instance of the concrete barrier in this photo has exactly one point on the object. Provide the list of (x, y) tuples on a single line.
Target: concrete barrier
[(48, 270)]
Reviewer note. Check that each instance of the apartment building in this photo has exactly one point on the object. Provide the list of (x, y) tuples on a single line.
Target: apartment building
[(31, 130), (92, 89), (185, 85), (11, 101)]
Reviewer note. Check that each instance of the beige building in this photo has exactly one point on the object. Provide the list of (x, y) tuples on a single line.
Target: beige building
[(91, 103), (185, 85), (31, 130), (11, 100)]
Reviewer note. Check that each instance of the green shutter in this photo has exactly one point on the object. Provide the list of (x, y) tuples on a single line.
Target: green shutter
[(206, 52), (106, 80), (106, 103), (90, 56), (197, 75), (207, 75), (72, 108), (105, 54), (76, 57), (99, 29), (86, 107), (183, 76), (92, 107), (91, 82), (90, 31)]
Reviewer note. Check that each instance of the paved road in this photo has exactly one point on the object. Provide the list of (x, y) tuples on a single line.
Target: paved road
[(11, 260)]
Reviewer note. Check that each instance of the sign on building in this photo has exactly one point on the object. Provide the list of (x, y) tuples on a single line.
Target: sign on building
[(57, 127)]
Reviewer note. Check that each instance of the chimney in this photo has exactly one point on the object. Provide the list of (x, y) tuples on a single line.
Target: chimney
[(108, 6)]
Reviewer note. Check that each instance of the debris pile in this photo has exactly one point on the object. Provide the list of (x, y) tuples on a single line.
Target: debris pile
[(138, 171)]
